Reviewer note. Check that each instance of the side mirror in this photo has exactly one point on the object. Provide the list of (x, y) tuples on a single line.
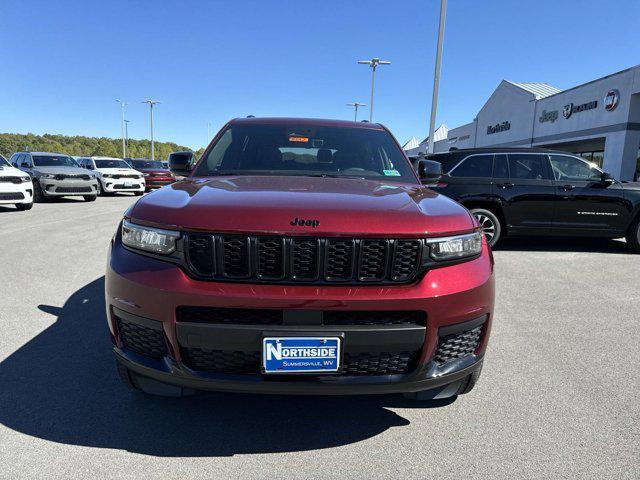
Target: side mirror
[(429, 171), (606, 178), (180, 169)]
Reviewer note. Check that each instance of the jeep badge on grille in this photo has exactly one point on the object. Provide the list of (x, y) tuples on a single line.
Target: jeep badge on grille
[(300, 222)]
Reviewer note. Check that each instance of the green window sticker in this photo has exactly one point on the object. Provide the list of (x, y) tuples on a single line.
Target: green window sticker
[(391, 173)]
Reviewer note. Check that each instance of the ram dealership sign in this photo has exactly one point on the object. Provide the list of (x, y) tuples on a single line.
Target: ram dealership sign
[(570, 109)]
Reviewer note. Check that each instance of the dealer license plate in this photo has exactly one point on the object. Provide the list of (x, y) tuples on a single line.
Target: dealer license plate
[(128, 183), (300, 354)]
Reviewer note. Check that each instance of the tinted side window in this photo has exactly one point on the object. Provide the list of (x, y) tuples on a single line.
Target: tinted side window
[(527, 166), (474, 166), (500, 166), (571, 168)]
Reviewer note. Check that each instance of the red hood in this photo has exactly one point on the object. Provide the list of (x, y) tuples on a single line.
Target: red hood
[(268, 204)]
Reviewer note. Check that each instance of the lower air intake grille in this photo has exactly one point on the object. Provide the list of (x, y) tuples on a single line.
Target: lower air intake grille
[(221, 361), (73, 190), (458, 345), (379, 363), (12, 196), (142, 339), (248, 363)]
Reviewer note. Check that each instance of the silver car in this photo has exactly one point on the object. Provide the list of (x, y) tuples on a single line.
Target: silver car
[(56, 175)]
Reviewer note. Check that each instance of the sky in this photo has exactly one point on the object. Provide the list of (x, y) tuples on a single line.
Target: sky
[(63, 64)]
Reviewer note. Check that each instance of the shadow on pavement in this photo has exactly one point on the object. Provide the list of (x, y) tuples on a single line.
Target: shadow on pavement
[(543, 244), (62, 386)]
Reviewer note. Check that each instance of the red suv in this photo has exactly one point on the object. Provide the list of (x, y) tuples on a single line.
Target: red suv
[(300, 257)]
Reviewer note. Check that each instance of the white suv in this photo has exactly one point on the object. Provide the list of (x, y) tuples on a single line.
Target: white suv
[(15, 186), (114, 175)]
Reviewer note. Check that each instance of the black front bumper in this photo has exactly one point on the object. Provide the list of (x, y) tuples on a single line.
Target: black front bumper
[(142, 350), (431, 376)]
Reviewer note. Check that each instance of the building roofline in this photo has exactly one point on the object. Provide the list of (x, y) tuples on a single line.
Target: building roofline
[(593, 81)]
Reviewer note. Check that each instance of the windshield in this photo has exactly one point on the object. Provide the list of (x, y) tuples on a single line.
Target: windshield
[(4, 162), (111, 164), (307, 150), (53, 161), (147, 164)]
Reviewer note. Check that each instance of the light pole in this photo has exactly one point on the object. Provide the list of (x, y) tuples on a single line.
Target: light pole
[(126, 136), (373, 63), (122, 105), (355, 105), (151, 104), (436, 75)]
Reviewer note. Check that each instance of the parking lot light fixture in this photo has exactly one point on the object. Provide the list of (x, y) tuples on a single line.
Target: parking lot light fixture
[(436, 76), (122, 126), (355, 105), (151, 104), (373, 63)]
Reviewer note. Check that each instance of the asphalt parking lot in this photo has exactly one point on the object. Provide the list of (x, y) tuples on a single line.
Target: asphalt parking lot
[(558, 398)]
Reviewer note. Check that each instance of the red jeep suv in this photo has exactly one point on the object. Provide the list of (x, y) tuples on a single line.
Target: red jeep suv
[(300, 257)]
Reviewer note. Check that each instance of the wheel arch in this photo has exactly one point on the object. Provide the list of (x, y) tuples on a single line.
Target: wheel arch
[(491, 205)]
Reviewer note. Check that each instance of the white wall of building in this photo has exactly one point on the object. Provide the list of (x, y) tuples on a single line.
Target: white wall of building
[(510, 104)]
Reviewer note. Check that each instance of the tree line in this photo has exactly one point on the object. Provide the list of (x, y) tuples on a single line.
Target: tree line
[(85, 146)]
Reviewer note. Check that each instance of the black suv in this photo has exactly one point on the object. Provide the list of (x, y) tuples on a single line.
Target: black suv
[(530, 191)]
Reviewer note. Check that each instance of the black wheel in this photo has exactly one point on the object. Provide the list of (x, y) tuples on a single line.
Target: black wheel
[(89, 198), (633, 236), (38, 194), (490, 224), (100, 189), (24, 206)]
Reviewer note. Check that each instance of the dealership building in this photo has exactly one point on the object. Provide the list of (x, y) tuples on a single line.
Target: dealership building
[(599, 120)]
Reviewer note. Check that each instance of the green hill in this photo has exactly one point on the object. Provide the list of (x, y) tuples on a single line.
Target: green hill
[(84, 146)]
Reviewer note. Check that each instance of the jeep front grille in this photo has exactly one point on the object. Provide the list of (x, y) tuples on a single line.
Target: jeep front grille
[(302, 260)]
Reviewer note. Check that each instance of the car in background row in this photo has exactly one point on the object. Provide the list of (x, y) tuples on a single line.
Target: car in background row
[(114, 175), (56, 175), (15, 187), (155, 175), (529, 191)]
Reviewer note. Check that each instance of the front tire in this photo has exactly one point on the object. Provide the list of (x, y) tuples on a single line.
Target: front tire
[(38, 194), (89, 198), (490, 223), (633, 236), (24, 206)]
